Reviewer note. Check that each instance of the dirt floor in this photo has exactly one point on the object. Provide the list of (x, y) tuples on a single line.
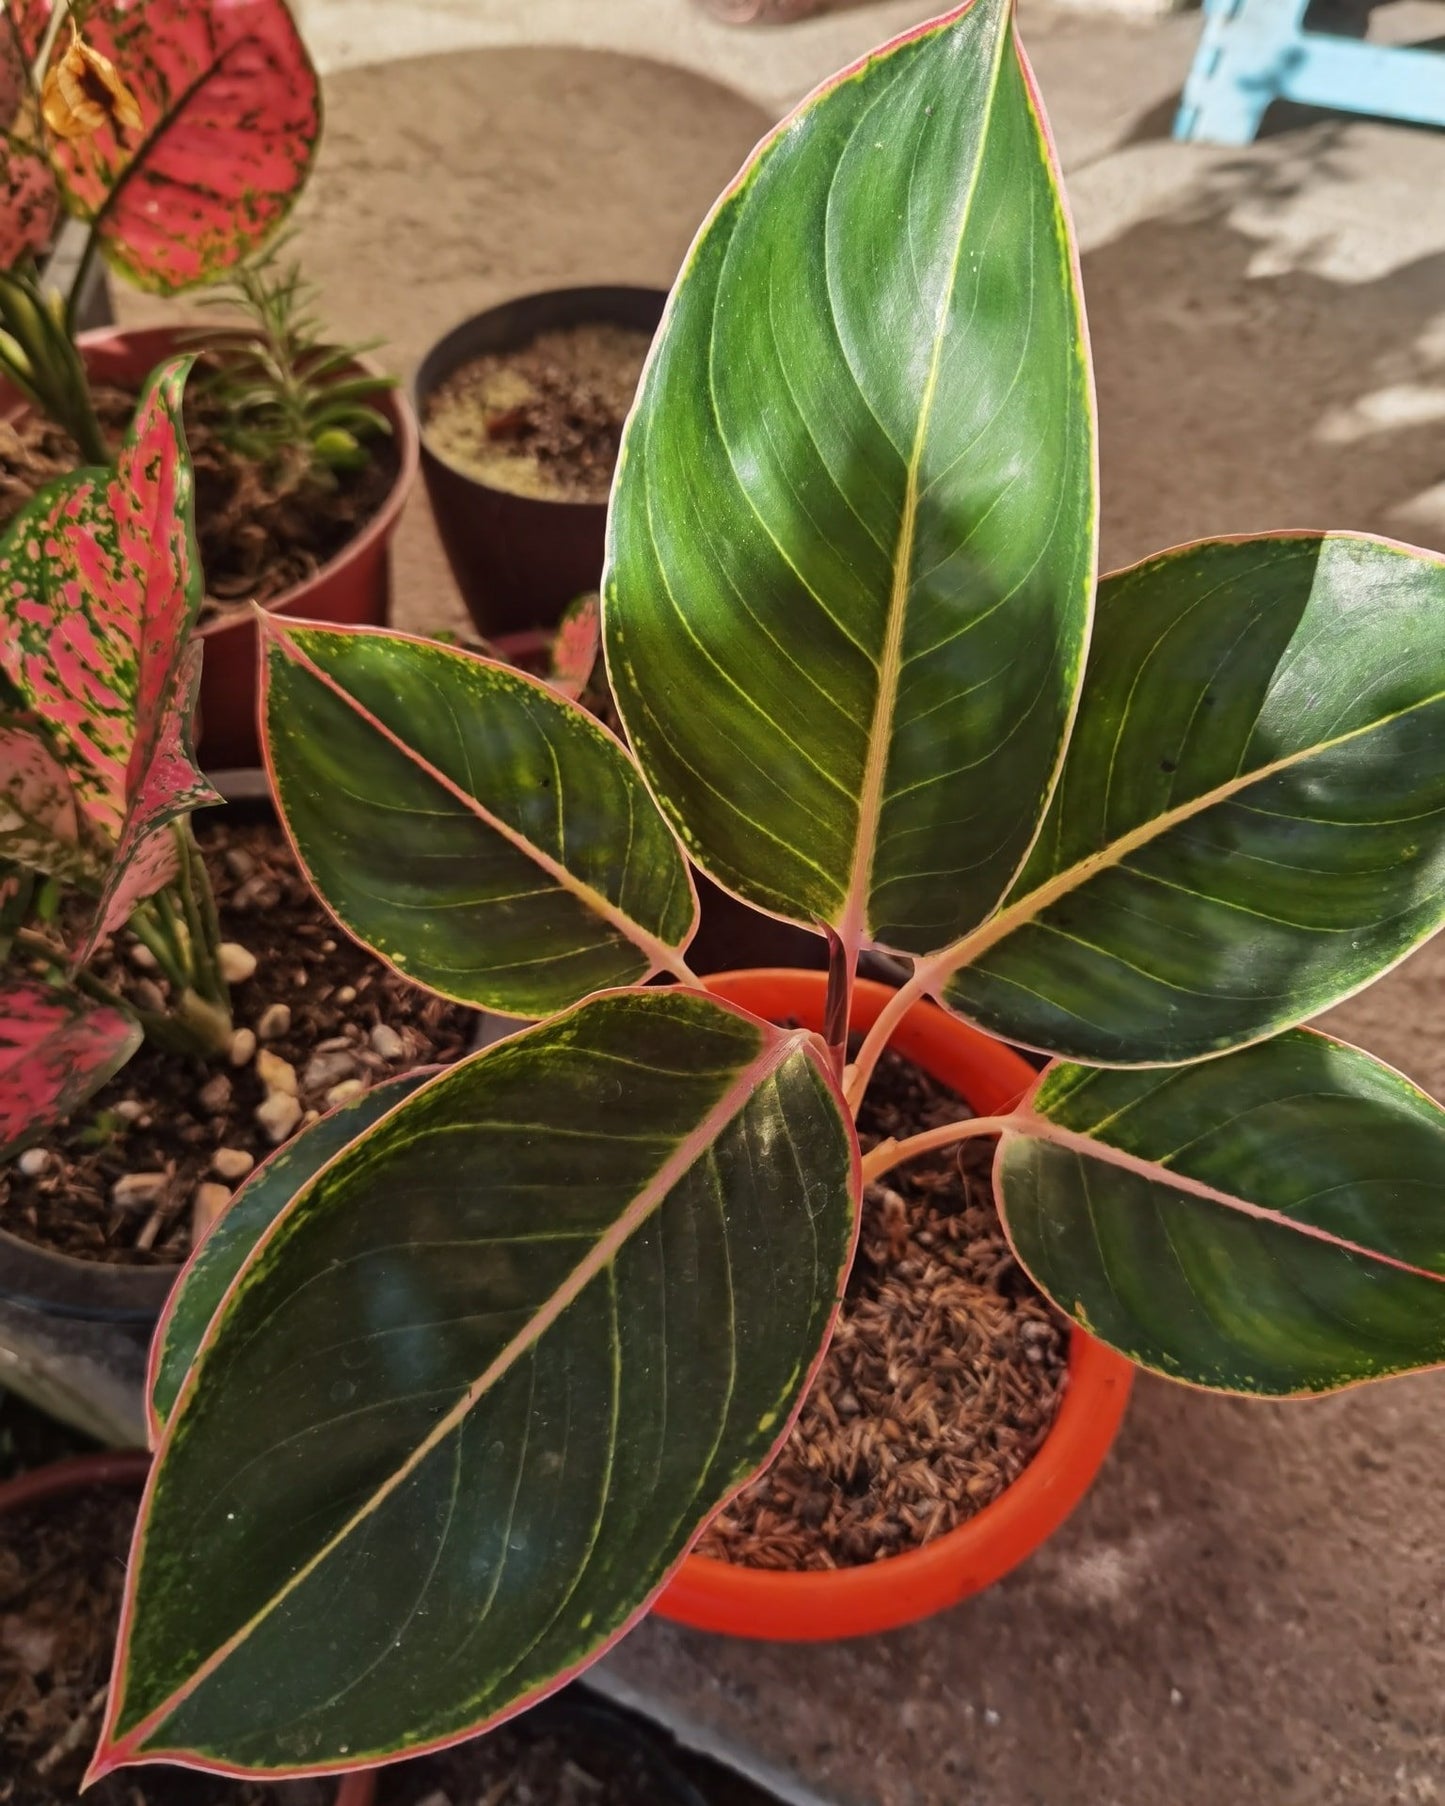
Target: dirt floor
[(1251, 1605)]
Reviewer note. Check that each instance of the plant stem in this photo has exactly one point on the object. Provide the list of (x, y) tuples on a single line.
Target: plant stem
[(888, 1154), (82, 275), (202, 925), (152, 935), (678, 966), (52, 32), (856, 1079), (44, 948)]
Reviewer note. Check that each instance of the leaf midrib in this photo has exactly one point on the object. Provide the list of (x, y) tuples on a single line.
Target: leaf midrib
[(971, 947), (659, 952), (853, 917), (693, 1146), (1028, 1125)]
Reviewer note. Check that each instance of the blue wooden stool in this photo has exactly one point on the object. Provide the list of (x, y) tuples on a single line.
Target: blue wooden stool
[(1255, 51)]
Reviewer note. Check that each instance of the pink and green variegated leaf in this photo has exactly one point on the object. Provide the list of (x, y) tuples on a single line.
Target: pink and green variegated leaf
[(17, 892), (29, 21), (232, 112), (55, 1050), (39, 824), (100, 581), (147, 858), (576, 647), (29, 198)]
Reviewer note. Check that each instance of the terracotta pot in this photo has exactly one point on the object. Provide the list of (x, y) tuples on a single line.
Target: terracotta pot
[(519, 559), (129, 1469), (353, 589), (851, 1602)]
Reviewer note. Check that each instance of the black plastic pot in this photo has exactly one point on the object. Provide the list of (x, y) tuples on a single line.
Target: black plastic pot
[(92, 1291), (519, 559)]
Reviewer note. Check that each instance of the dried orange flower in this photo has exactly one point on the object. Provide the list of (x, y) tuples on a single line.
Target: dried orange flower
[(83, 94)]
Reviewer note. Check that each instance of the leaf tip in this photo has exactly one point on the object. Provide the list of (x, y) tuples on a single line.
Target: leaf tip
[(106, 1760)]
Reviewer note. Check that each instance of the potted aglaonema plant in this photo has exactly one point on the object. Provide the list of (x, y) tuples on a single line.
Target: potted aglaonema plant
[(173, 1003), (178, 136), (527, 1335)]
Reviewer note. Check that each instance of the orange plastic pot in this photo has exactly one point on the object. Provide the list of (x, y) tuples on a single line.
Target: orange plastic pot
[(854, 1602), (128, 1468)]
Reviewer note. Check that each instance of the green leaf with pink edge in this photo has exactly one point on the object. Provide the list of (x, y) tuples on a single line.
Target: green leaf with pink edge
[(29, 197), (231, 106), (448, 1327), (55, 1050), (100, 583)]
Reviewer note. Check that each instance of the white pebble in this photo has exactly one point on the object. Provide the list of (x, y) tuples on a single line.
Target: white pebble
[(275, 1022), (149, 996), (142, 958), (210, 1200), (275, 1073), (346, 994), (279, 1115), (323, 1070), (243, 1047), (387, 1042), (344, 1093), (130, 1109), (231, 1163), (132, 1190), (215, 1094), (238, 963), (34, 1161)]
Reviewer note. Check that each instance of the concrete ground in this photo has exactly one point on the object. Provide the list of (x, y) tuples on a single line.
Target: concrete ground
[(1251, 1604)]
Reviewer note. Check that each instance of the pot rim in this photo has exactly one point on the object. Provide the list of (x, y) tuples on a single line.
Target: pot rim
[(453, 349), (55, 1284), (395, 403), (899, 1589), (75, 1473)]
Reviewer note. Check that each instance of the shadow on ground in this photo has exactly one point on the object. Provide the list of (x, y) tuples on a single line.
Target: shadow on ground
[(1236, 402)]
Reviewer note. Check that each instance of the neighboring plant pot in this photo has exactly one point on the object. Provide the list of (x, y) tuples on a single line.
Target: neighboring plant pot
[(851, 1602), (79, 1473), (762, 12), (352, 589), (519, 559)]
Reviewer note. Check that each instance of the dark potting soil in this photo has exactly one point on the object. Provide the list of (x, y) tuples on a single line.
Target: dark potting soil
[(549, 1757), (944, 1375), (318, 1001), (545, 420), (62, 1571), (258, 537)]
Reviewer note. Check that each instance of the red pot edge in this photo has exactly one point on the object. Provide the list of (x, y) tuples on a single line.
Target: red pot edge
[(819, 1606), (128, 1468), (155, 343)]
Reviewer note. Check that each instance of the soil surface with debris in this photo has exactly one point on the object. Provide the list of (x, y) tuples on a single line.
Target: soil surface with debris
[(944, 1375), (318, 1003), (544, 421), (552, 1756), (258, 537), (62, 1572)]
